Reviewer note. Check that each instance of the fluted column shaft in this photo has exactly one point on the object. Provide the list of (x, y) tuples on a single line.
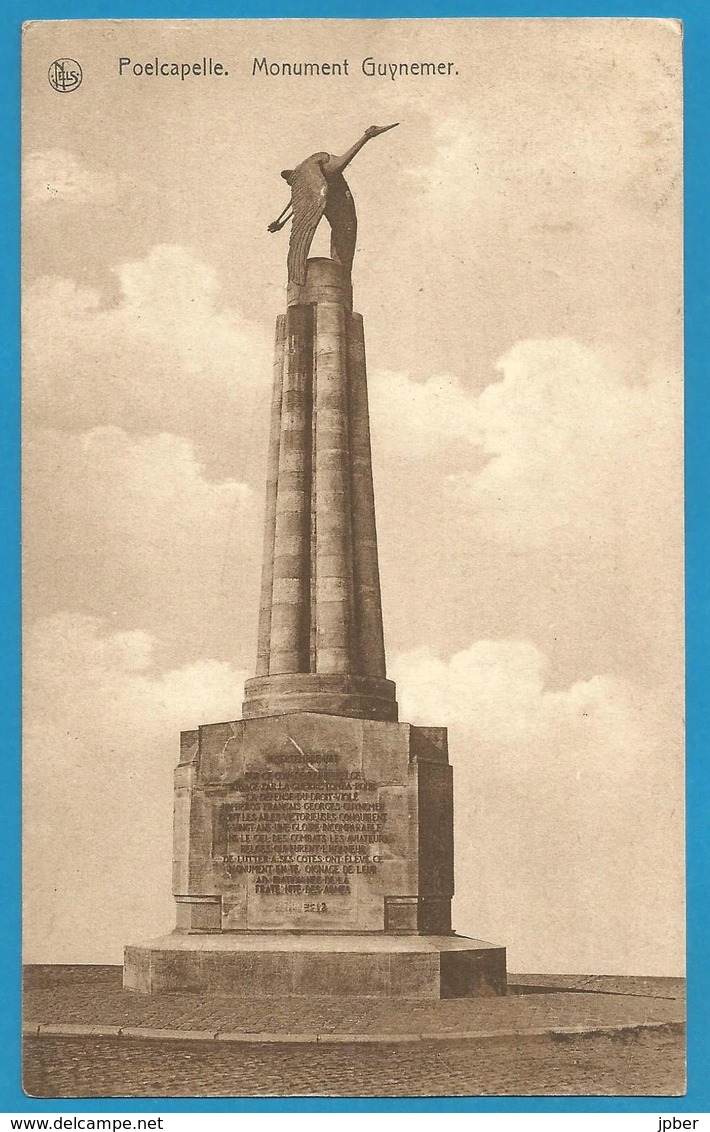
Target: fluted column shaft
[(331, 551), (366, 571), (290, 598), (272, 481)]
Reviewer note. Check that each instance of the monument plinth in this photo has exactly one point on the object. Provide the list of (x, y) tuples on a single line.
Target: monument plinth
[(313, 838)]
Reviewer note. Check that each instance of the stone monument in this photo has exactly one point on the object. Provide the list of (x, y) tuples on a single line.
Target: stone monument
[(313, 837)]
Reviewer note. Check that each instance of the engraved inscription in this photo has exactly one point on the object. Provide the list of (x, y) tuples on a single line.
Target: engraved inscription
[(302, 829)]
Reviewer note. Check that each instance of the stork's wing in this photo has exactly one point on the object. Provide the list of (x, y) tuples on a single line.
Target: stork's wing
[(309, 190)]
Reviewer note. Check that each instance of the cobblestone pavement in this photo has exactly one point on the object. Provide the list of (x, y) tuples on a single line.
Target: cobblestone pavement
[(93, 996), (632, 1042), (628, 1063)]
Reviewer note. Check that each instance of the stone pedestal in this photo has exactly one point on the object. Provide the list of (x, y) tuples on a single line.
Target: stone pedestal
[(315, 852), (310, 822)]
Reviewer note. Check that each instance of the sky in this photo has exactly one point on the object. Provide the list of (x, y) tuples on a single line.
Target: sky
[(519, 273)]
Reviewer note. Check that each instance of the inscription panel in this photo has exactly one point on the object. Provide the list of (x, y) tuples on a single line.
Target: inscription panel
[(300, 843)]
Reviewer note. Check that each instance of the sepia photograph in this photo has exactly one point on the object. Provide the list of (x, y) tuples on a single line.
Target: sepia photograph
[(352, 496)]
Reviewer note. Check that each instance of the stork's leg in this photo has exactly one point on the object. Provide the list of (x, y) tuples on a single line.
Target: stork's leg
[(281, 221), (340, 213)]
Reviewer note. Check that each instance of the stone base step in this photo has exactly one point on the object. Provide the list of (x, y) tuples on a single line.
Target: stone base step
[(274, 964)]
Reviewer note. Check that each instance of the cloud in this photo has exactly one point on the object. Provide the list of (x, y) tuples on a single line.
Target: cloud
[(568, 804), (412, 418), (576, 452), (562, 444), (101, 741), (133, 526), (553, 214), (167, 355), (557, 493), (57, 175)]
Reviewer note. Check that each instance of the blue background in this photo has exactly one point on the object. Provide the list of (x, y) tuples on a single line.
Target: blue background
[(696, 19)]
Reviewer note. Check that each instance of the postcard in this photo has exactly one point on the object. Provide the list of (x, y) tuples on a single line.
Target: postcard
[(353, 558)]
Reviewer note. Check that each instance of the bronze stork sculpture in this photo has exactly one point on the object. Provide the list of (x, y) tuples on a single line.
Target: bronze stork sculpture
[(319, 189)]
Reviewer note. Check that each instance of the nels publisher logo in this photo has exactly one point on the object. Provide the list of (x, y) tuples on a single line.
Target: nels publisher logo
[(65, 75)]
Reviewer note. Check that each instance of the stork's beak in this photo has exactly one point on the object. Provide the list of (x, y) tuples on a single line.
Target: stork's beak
[(375, 131)]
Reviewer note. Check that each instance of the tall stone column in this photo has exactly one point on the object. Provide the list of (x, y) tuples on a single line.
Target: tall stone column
[(321, 644), (313, 838)]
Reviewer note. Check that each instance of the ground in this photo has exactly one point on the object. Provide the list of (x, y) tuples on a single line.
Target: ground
[(552, 1035)]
